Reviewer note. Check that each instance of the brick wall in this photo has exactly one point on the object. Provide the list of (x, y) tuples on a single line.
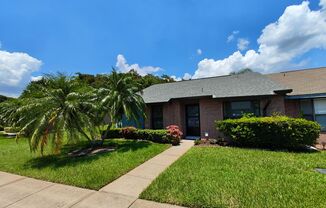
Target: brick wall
[(292, 108), (276, 105), (172, 114), (148, 121), (210, 110)]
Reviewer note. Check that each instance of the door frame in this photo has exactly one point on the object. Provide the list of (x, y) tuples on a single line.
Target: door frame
[(186, 117)]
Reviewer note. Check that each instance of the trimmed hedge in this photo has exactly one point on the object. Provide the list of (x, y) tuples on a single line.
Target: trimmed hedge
[(114, 133), (270, 132), (158, 136)]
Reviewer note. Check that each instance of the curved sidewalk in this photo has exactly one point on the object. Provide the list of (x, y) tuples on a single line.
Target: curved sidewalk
[(22, 192)]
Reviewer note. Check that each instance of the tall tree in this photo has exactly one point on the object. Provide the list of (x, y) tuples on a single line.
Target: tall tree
[(60, 107), (123, 97)]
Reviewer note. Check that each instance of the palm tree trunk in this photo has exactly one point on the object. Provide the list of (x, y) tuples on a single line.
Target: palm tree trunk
[(105, 135)]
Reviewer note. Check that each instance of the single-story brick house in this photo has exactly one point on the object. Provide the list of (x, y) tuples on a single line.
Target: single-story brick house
[(195, 104)]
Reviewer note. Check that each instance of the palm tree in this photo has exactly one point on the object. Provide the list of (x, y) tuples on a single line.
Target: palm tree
[(123, 98), (61, 107)]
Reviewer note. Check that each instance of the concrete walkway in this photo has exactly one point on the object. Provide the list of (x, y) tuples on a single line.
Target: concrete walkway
[(22, 192)]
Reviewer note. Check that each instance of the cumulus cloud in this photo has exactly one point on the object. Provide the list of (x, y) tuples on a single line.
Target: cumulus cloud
[(199, 51), (187, 76), (36, 78), (15, 71), (176, 78), (322, 4), (298, 30), (124, 67), (242, 44), (232, 36)]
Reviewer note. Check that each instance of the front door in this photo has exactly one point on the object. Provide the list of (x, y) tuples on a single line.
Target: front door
[(192, 120)]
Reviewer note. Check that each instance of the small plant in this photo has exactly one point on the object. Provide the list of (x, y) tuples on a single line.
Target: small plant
[(213, 141), (222, 141), (174, 133), (197, 141)]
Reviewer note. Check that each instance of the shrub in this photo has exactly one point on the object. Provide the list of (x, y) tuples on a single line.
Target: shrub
[(113, 133), (129, 132), (174, 134), (171, 135), (159, 136), (270, 132)]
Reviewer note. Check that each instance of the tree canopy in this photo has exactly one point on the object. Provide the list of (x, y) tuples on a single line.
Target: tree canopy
[(60, 107), (101, 80)]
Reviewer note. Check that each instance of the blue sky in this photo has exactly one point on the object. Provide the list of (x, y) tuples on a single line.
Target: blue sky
[(171, 37)]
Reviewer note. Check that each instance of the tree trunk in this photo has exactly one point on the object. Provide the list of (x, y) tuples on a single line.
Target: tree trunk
[(105, 135)]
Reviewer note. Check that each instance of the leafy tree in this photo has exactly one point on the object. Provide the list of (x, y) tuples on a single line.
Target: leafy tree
[(123, 97), (3, 98), (100, 81), (60, 107), (96, 81), (34, 89)]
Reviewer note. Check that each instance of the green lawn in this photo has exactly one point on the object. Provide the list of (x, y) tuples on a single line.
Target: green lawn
[(89, 172), (235, 177)]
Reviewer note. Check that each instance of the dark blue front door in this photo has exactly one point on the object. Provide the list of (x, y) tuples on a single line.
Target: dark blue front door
[(192, 120)]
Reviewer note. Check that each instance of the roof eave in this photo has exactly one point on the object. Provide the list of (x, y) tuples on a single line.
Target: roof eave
[(283, 91)]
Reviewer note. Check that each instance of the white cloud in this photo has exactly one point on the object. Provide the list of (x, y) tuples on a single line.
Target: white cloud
[(36, 78), (199, 51), (232, 36), (242, 44), (187, 76), (176, 78), (124, 67), (15, 71), (297, 31)]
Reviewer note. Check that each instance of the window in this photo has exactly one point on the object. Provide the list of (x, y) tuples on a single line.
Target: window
[(306, 107), (157, 117), (236, 109), (314, 110), (320, 112)]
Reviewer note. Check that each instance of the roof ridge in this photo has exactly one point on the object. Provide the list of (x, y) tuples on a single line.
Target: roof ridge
[(298, 70), (220, 76)]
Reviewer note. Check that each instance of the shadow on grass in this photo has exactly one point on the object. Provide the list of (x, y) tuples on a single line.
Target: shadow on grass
[(63, 160), (286, 150)]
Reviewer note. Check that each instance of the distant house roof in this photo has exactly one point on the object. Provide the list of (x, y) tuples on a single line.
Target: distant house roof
[(246, 84), (303, 82)]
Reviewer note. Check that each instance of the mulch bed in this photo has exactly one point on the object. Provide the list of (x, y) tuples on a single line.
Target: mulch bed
[(90, 151)]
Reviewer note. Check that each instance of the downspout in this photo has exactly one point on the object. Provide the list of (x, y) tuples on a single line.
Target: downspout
[(265, 107)]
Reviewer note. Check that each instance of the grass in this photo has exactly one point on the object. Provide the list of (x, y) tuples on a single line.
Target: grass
[(235, 177), (91, 172)]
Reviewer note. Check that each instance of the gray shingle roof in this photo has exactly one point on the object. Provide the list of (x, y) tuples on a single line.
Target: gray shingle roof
[(247, 84), (303, 82)]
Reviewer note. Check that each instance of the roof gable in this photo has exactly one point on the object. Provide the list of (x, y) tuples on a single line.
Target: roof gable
[(303, 82)]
